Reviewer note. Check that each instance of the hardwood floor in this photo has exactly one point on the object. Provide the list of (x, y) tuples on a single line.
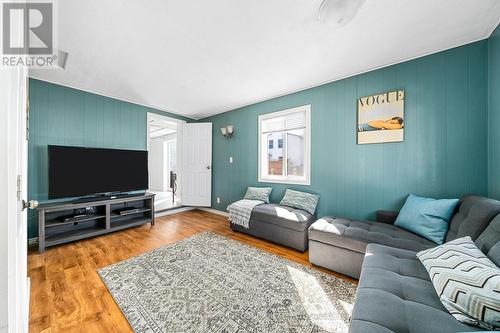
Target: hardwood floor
[(67, 294)]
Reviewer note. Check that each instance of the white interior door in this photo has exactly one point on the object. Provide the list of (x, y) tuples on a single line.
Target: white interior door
[(196, 164)]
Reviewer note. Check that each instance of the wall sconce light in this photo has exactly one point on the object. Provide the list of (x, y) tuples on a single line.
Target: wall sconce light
[(227, 131)]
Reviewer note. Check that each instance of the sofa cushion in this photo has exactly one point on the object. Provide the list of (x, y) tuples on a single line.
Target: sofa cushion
[(355, 235), (472, 217), (426, 217), (271, 232), (489, 241), (286, 217), (395, 295)]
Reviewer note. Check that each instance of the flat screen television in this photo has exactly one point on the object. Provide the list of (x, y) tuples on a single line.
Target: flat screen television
[(80, 171)]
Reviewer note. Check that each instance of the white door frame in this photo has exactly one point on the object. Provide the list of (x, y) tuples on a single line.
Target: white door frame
[(179, 123), (14, 282)]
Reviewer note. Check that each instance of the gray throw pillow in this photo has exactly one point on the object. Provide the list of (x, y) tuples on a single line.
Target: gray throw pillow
[(258, 193), (300, 200), (466, 281)]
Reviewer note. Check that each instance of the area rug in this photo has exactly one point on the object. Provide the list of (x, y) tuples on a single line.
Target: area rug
[(210, 283)]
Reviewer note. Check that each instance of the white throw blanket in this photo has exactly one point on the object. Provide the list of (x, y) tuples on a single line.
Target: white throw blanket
[(240, 211)]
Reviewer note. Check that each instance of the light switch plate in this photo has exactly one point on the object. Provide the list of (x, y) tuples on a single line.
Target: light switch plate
[(230, 159)]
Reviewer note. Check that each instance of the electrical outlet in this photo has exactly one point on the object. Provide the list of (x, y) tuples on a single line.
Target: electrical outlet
[(218, 200), (230, 159)]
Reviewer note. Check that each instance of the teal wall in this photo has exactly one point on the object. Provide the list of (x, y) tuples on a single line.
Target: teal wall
[(444, 153), (494, 113), (66, 116)]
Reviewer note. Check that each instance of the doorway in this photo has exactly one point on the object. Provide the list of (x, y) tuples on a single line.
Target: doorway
[(164, 135)]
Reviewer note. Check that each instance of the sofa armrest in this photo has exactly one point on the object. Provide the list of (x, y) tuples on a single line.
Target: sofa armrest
[(387, 216)]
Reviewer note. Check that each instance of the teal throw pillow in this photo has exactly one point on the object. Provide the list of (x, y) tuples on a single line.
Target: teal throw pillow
[(427, 217)]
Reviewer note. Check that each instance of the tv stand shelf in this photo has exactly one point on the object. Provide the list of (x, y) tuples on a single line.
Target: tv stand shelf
[(53, 229), (90, 217)]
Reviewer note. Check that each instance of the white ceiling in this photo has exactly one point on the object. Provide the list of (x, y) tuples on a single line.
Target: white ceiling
[(160, 127), (199, 58)]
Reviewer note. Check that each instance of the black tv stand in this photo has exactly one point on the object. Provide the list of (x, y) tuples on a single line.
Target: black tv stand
[(60, 223)]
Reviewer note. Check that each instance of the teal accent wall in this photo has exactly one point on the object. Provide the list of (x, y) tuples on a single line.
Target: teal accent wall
[(451, 97), (444, 153), (66, 116), (494, 113)]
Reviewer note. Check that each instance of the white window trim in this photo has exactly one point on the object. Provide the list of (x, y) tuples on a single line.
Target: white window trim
[(307, 149)]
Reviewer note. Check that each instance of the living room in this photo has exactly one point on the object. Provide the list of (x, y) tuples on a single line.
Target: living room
[(320, 166)]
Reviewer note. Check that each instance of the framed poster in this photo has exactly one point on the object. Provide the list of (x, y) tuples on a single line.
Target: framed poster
[(381, 117)]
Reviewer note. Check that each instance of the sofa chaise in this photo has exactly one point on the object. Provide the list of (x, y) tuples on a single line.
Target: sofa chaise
[(280, 224), (395, 293), (340, 243)]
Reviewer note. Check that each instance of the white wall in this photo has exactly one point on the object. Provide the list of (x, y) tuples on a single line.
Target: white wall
[(275, 152), (295, 149), (158, 164), (170, 158)]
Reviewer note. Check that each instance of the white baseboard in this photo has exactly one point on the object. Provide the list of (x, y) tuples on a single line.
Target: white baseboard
[(32, 241), (173, 211), (213, 211)]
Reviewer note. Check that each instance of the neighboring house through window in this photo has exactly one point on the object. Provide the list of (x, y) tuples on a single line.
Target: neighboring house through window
[(288, 161)]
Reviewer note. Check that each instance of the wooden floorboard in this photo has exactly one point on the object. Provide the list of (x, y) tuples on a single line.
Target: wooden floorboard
[(67, 294)]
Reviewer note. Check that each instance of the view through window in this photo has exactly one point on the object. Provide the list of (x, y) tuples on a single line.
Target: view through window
[(284, 146)]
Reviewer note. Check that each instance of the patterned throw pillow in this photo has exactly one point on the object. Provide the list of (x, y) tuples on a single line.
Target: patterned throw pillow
[(467, 282), (300, 200), (258, 193)]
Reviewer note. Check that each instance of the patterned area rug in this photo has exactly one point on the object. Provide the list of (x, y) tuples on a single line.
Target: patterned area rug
[(210, 283)]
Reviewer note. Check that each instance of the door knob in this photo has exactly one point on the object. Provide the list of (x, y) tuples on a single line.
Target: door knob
[(32, 204)]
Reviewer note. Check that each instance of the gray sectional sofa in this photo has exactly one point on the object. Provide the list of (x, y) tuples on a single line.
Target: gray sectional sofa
[(280, 224), (395, 293), (340, 244)]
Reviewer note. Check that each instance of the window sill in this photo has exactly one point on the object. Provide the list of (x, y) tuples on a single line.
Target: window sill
[(285, 181)]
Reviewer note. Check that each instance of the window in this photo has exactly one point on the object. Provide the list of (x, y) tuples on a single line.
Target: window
[(288, 161)]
